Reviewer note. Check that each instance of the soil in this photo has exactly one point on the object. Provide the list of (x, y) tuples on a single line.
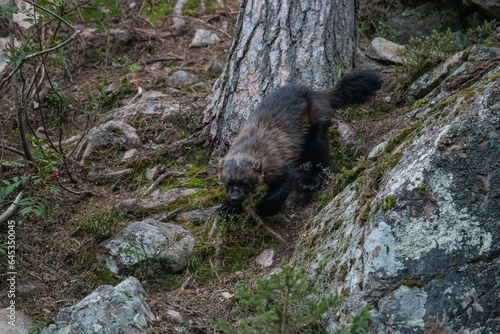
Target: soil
[(52, 269)]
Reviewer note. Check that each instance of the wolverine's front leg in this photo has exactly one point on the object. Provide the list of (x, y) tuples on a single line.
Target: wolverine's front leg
[(277, 193)]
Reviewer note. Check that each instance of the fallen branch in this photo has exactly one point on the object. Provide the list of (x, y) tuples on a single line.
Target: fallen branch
[(14, 150), (109, 176), (204, 23), (12, 208), (178, 20), (266, 227), (159, 180)]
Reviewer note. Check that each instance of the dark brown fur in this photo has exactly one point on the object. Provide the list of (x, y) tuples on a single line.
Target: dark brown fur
[(288, 128)]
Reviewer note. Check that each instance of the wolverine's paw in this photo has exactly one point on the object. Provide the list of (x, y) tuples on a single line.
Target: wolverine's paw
[(266, 210), (226, 210), (311, 180)]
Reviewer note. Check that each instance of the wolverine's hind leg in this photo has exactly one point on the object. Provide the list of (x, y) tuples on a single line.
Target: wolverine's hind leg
[(277, 193), (316, 150)]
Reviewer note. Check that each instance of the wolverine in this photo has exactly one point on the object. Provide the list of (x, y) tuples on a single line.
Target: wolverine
[(287, 129)]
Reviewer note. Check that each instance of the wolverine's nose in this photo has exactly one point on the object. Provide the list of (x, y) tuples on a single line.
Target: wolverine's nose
[(236, 196)]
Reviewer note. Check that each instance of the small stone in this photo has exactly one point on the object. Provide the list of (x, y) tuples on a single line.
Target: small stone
[(180, 78), (265, 259), (201, 86), (227, 295), (214, 67), (151, 172), (204, 38), (174, 316), (129, 154)]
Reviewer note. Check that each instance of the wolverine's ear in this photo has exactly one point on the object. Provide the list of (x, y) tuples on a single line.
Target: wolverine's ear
[(257, 166)]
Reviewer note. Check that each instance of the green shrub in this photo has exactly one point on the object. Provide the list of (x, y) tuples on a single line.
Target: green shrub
[(421, 54)]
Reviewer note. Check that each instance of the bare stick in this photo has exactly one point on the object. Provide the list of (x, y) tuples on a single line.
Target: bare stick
[(14, 150), (12, 208), (112, 175), (159, 180), (266, 227)]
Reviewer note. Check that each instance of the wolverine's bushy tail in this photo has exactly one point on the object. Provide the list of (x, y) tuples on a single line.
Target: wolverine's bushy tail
[(354, 88)]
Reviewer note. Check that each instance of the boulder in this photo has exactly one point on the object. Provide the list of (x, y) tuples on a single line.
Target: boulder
[(165, 244), (483, 53), (108, 135), (430, 80), (14, 321), (120, 309), (489, 8), (384, 51), (423, 249)]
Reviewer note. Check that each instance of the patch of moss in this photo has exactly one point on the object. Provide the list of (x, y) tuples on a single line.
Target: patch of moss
[(365, 214), (493, 77), (389, 202), (103, 276), (353, 175), (420, 103), (398, 139), (421, 189), (411, 283)]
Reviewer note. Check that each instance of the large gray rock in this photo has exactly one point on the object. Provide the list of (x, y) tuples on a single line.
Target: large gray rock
[(430, 80), (165, 244), (108, 135), (422, 20), (13, 321), (423, 250), (384, 51), (108, 310), (483, 53), (490, 8)]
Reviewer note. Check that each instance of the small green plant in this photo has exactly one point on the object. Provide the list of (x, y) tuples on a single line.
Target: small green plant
[(287, 303), (283, 303), (421, 54), (98, 223), (421, 189), (39, 326), (484, 34), (131, 66), (389, 202), (384, 32)]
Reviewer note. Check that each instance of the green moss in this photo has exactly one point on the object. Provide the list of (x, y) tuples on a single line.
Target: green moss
[(493, 77), (403, 135), (353, 175), (102, 276), (366, 212), (389, 202), (411, 283), (421, 189), (420, 103)]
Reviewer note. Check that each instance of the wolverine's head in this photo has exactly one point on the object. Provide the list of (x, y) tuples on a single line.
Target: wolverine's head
[(241, 174)]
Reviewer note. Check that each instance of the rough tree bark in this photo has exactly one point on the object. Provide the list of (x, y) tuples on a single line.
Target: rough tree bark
[(277, 43)]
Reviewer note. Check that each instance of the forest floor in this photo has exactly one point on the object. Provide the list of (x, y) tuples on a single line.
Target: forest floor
[(57, 261)]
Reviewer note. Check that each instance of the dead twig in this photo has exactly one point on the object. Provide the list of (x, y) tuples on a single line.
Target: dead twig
[(159, 180), (266, 227), (112, 175), (12, 208)]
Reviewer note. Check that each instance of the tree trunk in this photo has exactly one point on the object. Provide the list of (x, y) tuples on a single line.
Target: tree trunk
[(276, 43)]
